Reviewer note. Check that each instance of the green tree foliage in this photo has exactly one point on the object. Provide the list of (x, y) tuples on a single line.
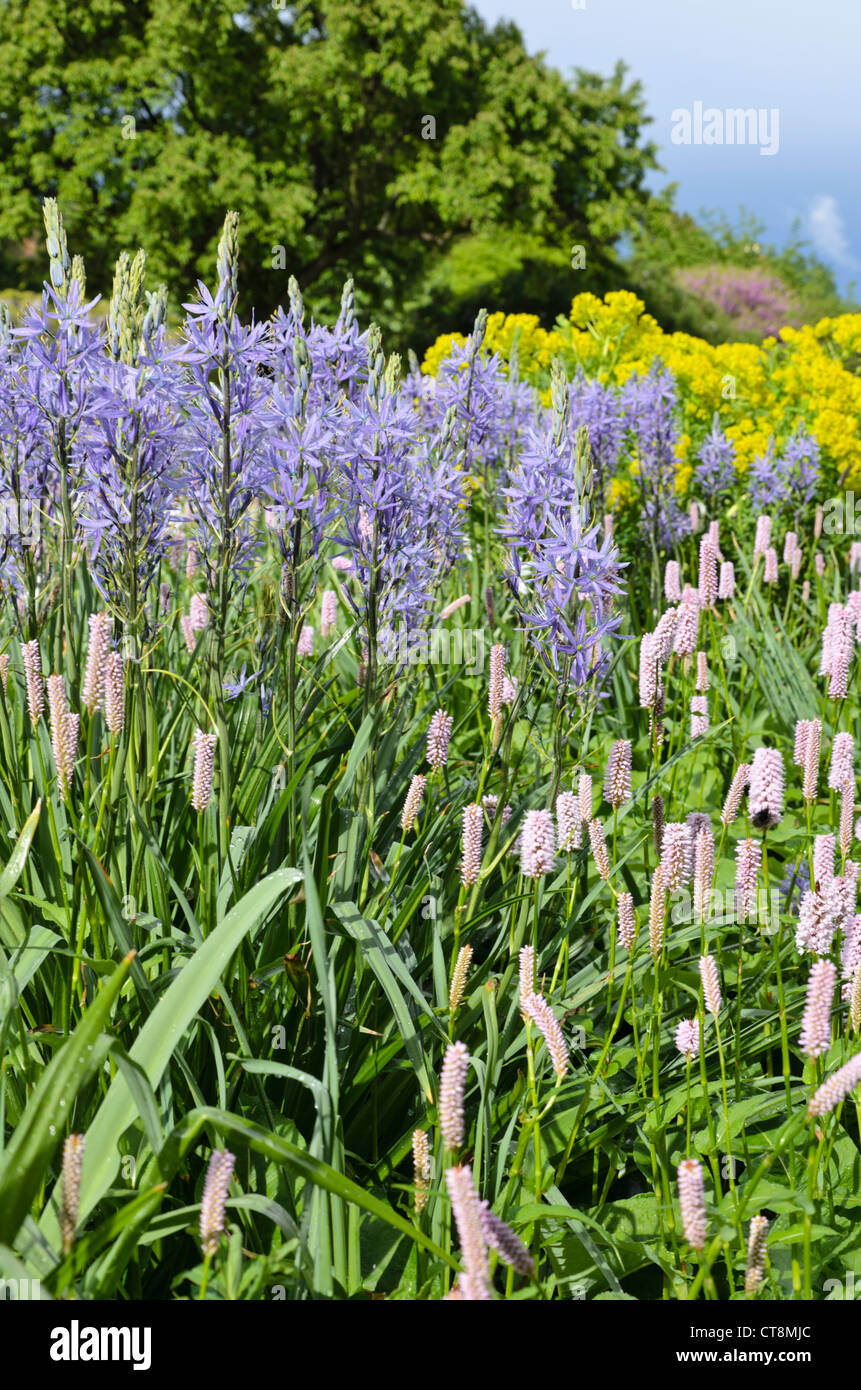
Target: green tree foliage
[(392, 140)]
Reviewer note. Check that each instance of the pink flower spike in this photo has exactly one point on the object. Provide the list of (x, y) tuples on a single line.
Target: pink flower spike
[(626, 921), (737, 788), (470, 863), (567, 821), (527, 976), (439, 734), (748, 857), (204, 753), (413, 801), (842, 768), (711, 984), (672, 583), (762, 539), (708, 577), (538, 845), (688, 624), (815, 1038), (452, 1082), (811, 760), (495, 681), (766, 788), (687, 1037), (328, 612), (677, 855), (838, 1086), (214, 1200), (93, 688), (599, 849), (537, 1008), (726, 588), (617, 778), (693, 1203), (474, 1284), (702, 683), (699, 716), (32, 658), (756, 1247)]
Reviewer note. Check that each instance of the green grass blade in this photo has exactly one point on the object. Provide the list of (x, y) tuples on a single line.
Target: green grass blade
[(41, 1131)]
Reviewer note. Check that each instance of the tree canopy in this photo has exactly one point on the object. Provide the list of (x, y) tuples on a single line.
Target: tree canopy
[(381, 139)]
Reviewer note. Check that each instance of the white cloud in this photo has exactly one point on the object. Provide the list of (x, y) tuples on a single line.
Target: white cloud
[(827, 230)]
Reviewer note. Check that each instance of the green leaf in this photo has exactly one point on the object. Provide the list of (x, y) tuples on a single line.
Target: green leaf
[(122, 1233), (42, 1128), (362, 742), (112, 908), (791, 1235), (11, 874), (18, 858), (315, 1171), (262, 1066), (12, 1268), (155, 1044), (381, 956)]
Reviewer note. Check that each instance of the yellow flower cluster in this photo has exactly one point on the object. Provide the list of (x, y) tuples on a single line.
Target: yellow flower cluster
[(761, 393), (535, 347)]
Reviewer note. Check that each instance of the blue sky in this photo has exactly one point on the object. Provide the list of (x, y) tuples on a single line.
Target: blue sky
[(796, 56)]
